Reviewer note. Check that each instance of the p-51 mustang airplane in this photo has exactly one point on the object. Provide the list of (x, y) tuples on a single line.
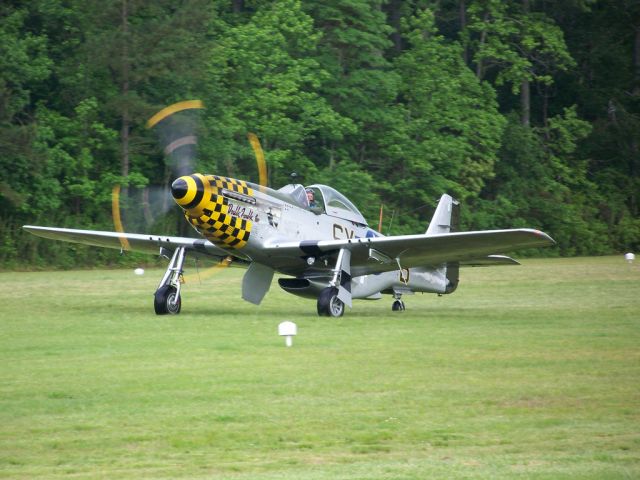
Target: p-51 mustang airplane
[(326, 250)]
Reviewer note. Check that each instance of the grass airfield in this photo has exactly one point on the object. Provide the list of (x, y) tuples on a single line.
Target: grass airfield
[(525, 372)]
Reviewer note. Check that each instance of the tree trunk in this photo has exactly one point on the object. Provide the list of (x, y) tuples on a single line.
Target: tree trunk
[(525, 103), (124, 132), (463, 26), (394, 16), (635, 148), (545, 105), (633, 197), (525, 91), (238, 6), (124, 138), (483, 38), (332, 159), (636, 62)]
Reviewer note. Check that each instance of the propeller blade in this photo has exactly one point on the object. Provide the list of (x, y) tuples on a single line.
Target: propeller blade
[(209, 272), (171, 109), (176, 126), (115, 213), (262, 165), (177, 135)]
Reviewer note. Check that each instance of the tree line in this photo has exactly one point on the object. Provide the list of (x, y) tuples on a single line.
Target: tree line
[(527, 111)]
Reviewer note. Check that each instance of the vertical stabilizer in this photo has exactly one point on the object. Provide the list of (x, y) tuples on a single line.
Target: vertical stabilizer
[(446, 218)]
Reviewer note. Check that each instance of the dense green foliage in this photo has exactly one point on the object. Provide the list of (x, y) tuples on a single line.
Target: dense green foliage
[(527, 111)]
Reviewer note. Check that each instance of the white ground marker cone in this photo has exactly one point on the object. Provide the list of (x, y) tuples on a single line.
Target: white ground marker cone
[(288, 330)]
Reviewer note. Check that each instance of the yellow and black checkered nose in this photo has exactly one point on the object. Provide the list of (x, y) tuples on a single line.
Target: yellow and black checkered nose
[(206, 207)]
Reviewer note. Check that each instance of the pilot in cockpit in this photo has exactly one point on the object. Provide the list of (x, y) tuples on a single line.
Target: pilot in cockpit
[(311, 198)]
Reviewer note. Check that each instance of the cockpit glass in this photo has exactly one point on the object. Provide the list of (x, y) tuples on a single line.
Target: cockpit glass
[(296, 192), (336, 204), (323, 199)]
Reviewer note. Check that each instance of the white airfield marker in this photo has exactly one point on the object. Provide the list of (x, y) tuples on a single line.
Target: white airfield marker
[(288, 330)]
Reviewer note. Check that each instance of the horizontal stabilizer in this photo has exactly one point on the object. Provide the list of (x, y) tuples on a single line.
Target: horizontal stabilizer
[(489, 261)]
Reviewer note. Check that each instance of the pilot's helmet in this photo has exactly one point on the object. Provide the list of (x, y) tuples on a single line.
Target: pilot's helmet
[(310, 193)]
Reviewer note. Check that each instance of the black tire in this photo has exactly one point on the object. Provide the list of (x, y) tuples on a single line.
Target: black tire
[(328, 303), (165, 301), (398, 306)]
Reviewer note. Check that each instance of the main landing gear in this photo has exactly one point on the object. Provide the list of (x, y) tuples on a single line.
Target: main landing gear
[(167, 297), (329, 305), (332, 299)]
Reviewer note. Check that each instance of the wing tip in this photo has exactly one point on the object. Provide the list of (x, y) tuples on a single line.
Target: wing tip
[(545, 236), (33, 228)]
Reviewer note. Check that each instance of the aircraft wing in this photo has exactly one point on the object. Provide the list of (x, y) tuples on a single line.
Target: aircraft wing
[(135, 242), (379, 254)]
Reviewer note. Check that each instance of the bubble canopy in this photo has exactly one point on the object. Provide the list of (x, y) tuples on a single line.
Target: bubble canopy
[(337, 205)]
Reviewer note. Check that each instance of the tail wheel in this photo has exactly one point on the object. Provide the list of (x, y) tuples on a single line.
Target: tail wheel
[(329, 305), (167, 301), (398, 306)]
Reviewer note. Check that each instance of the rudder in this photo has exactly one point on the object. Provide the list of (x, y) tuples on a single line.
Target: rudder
[(446, 218)]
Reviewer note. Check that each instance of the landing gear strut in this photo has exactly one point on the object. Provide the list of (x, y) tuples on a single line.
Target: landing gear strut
[(332, 299), (167, 297)]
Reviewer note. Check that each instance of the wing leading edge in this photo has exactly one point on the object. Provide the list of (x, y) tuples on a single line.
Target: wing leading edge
[(379, 254), (134, 241)]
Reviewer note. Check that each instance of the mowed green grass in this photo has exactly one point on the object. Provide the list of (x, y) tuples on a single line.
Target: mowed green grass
[(524, 372)]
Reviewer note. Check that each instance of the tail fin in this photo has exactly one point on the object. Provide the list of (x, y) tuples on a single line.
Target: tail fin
[(446, 218)]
